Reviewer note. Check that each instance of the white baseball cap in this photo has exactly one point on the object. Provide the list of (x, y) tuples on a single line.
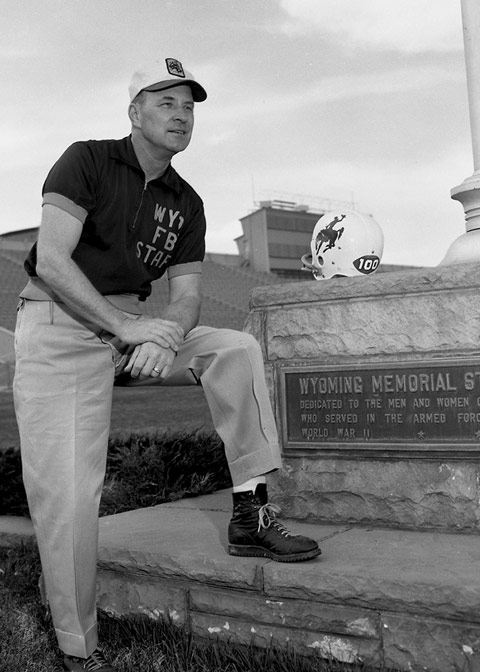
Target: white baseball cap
[(160, 75)]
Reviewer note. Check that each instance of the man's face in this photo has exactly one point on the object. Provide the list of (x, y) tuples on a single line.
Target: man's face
[(165, 118)]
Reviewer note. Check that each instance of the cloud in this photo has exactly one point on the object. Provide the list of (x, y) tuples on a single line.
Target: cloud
[(13, 52), (221, 237), (412, 26), (414, 209), (272, 111)]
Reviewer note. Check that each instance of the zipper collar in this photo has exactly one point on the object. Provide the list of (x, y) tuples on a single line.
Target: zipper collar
[(122, 150)]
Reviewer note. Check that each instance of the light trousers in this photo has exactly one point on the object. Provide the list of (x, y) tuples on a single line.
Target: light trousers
[(64, 376)]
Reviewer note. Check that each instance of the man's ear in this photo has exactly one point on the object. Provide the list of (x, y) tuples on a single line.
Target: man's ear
[(134, 113)]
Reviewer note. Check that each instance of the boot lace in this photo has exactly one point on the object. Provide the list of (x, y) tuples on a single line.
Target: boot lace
[(267, 517), (96, 662)]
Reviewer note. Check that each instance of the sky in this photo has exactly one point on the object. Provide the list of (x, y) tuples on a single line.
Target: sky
[(359, 102)]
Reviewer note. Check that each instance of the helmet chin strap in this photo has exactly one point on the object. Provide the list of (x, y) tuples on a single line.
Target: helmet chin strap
[(306, 260), (309, 266)]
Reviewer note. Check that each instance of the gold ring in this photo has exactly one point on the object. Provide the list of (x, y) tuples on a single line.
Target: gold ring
[(156, 370)]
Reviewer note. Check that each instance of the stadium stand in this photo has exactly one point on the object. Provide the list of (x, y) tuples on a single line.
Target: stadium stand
[(226, 294), (227, 285), (12, 276), (226, 291)]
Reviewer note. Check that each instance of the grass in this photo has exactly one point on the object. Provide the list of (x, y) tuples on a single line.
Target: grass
[(191, 460), (133, 410), (8, 423), (143, 469), (27, 642), (23, 621), (142, 418), (149, 469)]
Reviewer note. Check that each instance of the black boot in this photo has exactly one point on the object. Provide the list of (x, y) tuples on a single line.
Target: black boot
[(254, 530)]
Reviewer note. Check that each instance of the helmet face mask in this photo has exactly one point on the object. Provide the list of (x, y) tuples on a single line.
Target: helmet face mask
[(344, 243)]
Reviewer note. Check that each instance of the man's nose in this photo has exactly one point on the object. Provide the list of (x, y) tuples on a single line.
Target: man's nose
[(181, 115)]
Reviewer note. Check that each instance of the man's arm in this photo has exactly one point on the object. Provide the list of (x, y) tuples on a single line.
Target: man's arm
[(183, 309), (58, 238), (184, 301)]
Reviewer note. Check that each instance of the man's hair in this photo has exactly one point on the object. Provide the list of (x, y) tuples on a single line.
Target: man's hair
[(140, 97)]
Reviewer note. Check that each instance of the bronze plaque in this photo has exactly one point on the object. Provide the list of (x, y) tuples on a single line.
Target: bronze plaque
[(419, 405)]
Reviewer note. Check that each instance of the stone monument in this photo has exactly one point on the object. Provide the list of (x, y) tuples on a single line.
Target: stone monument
[(376, 386)]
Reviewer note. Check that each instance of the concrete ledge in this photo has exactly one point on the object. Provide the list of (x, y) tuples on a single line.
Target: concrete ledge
[(403, 599), (465, 276), (14, 530)]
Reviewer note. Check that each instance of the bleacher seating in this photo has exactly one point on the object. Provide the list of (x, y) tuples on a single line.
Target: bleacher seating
[(226, 291), (12, 280)]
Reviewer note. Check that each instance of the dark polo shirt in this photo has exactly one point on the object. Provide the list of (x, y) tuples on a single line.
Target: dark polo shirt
[(132, 231)]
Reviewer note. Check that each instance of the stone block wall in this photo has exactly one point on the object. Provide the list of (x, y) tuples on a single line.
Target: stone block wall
[(339, 632), (408, 316)]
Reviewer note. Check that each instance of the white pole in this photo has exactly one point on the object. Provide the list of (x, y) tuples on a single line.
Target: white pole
[(467, 247), (471, 40)]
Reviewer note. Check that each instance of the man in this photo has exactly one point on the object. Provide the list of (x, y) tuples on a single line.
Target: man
[(116, 216)]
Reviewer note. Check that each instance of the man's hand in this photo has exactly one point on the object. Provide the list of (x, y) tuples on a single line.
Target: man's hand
[(163, 333), (150, 360)]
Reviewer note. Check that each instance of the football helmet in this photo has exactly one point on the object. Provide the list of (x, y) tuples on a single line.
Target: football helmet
[(344, 242)]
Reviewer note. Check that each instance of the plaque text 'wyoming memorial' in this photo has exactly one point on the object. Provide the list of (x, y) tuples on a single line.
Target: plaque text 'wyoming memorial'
[(419, 406)]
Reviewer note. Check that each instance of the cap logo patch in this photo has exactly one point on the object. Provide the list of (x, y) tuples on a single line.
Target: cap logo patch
[(174, 67)]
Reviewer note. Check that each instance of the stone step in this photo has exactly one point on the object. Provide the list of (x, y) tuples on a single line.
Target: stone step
[(405, 599)]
